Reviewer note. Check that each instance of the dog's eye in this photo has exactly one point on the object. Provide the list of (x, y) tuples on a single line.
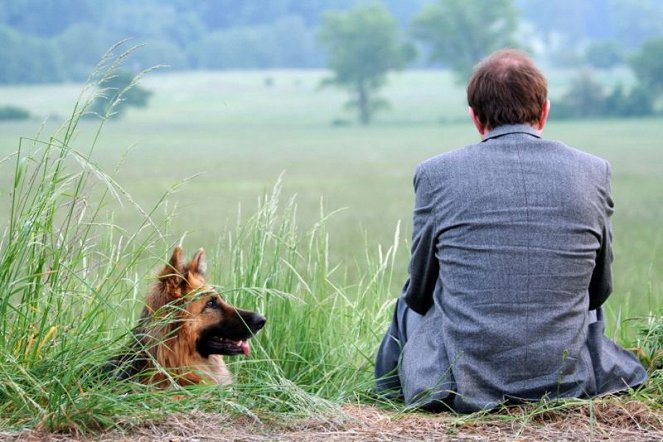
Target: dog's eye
[(211, 303)]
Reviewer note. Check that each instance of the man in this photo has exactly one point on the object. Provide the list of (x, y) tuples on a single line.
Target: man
[(511, 257)]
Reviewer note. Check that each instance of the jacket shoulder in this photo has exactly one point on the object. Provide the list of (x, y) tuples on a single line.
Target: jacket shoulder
[(447, 159), (458, 157), (586, 160)]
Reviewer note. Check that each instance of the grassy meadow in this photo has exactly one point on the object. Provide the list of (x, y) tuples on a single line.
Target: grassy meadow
[(304, 220)]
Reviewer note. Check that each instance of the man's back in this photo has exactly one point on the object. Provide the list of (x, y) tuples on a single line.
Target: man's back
[(519, 227)]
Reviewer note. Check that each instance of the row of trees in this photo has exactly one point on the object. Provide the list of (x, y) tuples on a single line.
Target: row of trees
[(62, 40), (365, 44), (361, 45), (55, 40)]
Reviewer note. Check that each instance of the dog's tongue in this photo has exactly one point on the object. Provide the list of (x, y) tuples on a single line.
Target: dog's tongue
[(245, 347)]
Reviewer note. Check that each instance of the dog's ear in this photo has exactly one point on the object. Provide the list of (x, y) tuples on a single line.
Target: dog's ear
[(169, 284), (172, 272), (198, 264), (175, 263)]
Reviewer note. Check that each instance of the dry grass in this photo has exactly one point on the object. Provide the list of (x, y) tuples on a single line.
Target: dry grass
[(604, 419)]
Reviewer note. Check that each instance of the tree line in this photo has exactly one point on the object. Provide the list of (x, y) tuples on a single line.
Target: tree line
[(364, 44), (62, 40), (360, 45)]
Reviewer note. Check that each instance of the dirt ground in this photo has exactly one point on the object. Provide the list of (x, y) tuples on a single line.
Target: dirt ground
[(610, 420)]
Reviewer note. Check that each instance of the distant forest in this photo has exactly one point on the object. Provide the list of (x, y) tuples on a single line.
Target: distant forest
[(62, 40)]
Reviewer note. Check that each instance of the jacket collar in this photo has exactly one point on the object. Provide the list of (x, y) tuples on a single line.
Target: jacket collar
[(511, 129)]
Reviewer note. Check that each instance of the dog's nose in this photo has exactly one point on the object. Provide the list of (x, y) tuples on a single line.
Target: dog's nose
[(259, 321)]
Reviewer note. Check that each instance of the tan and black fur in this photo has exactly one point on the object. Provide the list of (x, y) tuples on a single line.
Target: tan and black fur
[(185, 329)]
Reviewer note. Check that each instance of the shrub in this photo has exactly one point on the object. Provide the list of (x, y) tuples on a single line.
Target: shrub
[(635, 103), (586, 98), (116, 93), (13, 113)]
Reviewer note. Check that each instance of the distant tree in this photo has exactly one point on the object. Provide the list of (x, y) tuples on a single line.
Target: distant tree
[(648, 66), (82, 46), (256, 12), (462, 32), (363, 45), (112, 88), (604, 54), (28, 59), (47, 18), (287, 42), (165, 30), (585, 98)]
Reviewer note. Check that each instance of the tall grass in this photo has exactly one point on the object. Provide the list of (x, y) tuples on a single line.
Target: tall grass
[(322, 332), (72, 281), (65, 273)]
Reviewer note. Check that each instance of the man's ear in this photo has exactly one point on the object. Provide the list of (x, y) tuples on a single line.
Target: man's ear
[(198, 264), (481, 128), (544, 116)]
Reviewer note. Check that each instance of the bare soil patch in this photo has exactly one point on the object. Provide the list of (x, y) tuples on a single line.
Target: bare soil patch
[(598, 421)]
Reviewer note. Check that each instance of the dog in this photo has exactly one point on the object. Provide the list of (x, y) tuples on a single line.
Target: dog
[(185, 330)]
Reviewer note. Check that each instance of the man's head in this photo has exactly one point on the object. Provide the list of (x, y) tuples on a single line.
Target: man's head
[(507, 88)]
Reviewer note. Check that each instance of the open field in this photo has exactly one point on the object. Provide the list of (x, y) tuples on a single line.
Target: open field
[(237, 132), (237, 135)]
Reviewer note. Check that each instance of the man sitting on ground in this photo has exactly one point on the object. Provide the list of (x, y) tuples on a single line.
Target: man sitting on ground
[(511, 262)]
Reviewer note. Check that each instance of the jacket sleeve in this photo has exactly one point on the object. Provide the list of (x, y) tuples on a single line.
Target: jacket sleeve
[(424, 266), (600, 286)]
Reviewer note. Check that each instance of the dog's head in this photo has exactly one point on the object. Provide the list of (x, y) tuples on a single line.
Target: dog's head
[(205, 319)]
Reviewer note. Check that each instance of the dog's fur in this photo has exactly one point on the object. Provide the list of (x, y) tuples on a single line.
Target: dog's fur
[(185, 329)]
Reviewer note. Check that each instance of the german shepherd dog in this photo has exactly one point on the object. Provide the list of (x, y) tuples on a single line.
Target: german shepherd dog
[(185, 330)]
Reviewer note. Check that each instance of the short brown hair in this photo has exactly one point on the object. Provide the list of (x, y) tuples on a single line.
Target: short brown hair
[(507, 88)]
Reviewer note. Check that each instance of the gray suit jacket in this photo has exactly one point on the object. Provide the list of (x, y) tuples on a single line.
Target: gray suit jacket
[(511, 254)]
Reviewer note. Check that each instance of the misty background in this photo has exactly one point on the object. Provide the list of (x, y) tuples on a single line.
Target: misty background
[(48, 41)]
